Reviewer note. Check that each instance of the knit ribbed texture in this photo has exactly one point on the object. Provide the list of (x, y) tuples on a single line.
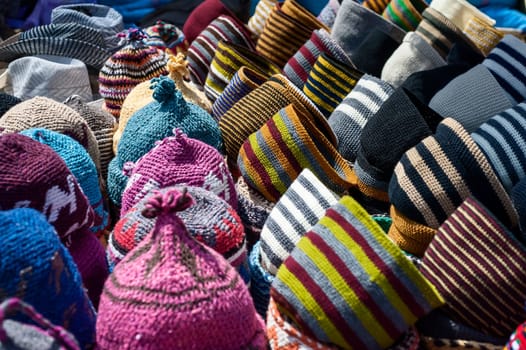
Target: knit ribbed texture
[(260, 281), (201, 16), (300, 208), (407, 14), (377, 6), (518, 196), (351, 115), (476, 265), (203, 48), (482, 34), (507, 63), (328, 13), (166, 36), (273, 157), (131, 65), (460, 12), (263, 9), (408, 234), (298, 66), (181, 293), (329, 82), (7, 101), (347, 284)]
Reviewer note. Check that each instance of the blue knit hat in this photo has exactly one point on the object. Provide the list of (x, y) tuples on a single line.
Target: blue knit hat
[(36, 267), (154, 122)]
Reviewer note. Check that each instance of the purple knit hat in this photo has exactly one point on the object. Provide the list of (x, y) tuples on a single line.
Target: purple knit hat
[(173, 292), (178, 160), (33, 175)]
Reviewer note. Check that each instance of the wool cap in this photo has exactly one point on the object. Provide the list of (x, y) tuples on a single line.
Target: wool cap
[(166, 36), (7, 101), (362, 288), (460, 12), (517, 339), (131, 65), (406, 14), (419, 182), (353, 22), (260, 281), (198, 299), (273, 157), (201, 16), (154, 122), (471, 98), (377, 6), (329, 82), (176, 160), (43, 112), (37, 268), (256, 23), (476, 264), (24, 336), (483, 35), (298, 209), (203, 48), (328, 13), (351, 115), (300, 64)]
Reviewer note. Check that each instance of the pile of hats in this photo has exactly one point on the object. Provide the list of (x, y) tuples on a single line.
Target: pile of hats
[(350, 178)]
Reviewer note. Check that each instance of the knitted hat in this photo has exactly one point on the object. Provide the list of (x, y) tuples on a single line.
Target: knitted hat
[(419, 182), (377, 6), (413, 55), (154, 122), (329, 82), (345, 265), (471, 98), (460, 12), (328, 13), (179, 160), (199, 301), (132, 64), (260, 281), (37, 268), (202, 49), (54, 77), (81, 166), (256, 23), (273, 157), (476, 264), (42, 112), (300, 208), (201, 16), (483, 34), (351, 115), (517, 338), (23, 336), (7, 101), (227, 60), (407, 14), (298, 66), (166, 36)]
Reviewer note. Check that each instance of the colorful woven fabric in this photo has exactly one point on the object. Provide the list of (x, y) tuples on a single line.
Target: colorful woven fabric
[(260, 281), (201, 16), (475, 262), (298, 66), (273, 157), (300, 208), (263, 9), (182, 294), (347, 284), (517, 339), (228, 59), (407, 14), (166, 36), (328, 13), (377, 6), (329, 82)]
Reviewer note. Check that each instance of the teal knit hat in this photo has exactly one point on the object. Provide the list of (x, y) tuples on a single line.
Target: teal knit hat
[(154, 122)]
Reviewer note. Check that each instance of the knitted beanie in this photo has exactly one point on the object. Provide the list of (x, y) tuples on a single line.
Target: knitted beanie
[(298, 209), (257, 21), (345, 265), (328, 13), (24, 336), (179, 160), (260, 281), (154, 122), (166, 36), (460, 12), (483, 35), (298, 66), (131, 65), (351, 115), (81, 166), (471, 98), (329, 82), (182, 294), (7, 101), (475, 262), (42, 112), (407, 14), (377, 6), (201, 16), (37, 268)]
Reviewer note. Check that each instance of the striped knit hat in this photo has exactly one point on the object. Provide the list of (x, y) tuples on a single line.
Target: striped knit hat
[(476, 264), (377, 6), (298, 66), (419, 182), (262, 11), (300, 208), (166, 36), (131, 65), (329, 82), (201, 16), (182, 293), (288, 27), (351, 115), (328, 13), (242, 83), (345, 265), (407, 14), (506, 63), (460, 12), (203, 48), (260, 281), (483, 34), (273, 157), (228, 59)]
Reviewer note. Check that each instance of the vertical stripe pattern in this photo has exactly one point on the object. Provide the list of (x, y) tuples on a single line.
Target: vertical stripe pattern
[(256, 23), (405, 13)]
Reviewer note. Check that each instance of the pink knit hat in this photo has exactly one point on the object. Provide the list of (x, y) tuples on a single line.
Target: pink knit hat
[(172, 292)]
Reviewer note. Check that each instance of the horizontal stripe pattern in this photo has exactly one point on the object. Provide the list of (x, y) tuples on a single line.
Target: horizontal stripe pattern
[(482, 34), (347, 284), (478, 267), (405, 13)]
